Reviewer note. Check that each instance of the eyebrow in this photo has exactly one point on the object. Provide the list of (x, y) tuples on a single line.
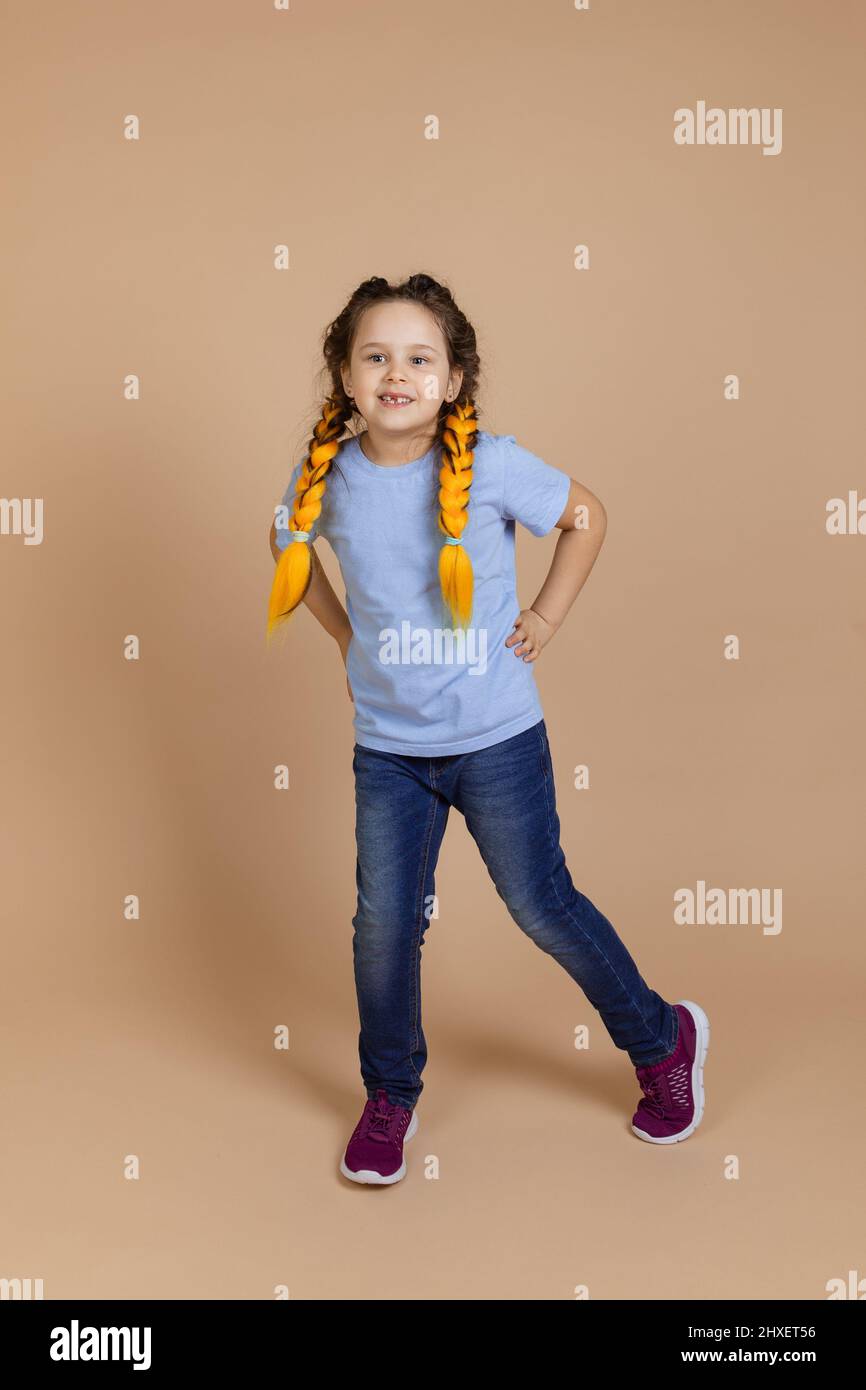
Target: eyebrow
[(411, 345)]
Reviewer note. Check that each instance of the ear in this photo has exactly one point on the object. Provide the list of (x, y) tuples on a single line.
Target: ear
[(455, 381)]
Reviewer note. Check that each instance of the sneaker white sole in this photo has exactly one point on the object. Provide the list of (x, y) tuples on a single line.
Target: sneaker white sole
[(369, 1174), (702, 1043)]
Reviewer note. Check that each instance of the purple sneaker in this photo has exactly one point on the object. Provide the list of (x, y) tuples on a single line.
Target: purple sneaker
[(375, 1151), (673, 1089)]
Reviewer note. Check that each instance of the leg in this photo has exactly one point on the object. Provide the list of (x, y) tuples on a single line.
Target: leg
[(400, 821), (507, 796)]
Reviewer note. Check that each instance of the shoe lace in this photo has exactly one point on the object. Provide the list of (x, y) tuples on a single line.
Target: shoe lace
[(652, 1087), (381, 1118)]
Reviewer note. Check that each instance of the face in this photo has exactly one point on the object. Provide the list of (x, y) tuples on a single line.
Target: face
[(399, 351)]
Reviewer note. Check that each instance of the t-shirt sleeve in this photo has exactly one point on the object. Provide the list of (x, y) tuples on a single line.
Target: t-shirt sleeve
[(288, 501), (533, 492)]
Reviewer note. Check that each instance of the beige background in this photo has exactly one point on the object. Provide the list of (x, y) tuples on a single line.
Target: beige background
[(155, 777)]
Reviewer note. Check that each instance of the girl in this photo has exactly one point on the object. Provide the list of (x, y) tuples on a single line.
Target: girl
[(420, 510)]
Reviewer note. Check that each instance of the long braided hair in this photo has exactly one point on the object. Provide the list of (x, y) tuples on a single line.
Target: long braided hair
[(456, 437)]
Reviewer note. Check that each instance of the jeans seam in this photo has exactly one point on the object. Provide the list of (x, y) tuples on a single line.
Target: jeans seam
[(587, 936), (419, 908)]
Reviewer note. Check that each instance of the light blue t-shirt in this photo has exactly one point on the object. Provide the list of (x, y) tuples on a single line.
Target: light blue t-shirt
[(421, 687)]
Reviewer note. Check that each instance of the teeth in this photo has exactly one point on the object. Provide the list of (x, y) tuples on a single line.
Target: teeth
[(396, 399)]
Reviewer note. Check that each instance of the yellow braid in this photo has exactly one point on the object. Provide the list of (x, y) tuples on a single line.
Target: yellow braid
[(455, 477), (294, 568)]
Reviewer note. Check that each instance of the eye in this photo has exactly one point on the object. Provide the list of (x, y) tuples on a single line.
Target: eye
[(371, 355)]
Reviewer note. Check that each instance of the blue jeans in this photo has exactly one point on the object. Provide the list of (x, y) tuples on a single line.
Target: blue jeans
[(506, 794)]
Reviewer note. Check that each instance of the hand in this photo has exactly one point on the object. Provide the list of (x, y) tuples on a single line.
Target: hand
[(531, 634)]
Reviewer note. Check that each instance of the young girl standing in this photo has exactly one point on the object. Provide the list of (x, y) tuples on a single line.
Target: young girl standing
[(420, 510)]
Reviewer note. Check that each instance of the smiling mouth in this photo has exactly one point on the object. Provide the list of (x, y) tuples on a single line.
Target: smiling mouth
[(395, 402)]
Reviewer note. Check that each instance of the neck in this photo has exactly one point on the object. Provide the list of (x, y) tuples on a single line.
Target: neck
[(389, 451)]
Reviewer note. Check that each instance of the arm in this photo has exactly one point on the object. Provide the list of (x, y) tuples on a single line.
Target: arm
[(320, 598), (574, 557)]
